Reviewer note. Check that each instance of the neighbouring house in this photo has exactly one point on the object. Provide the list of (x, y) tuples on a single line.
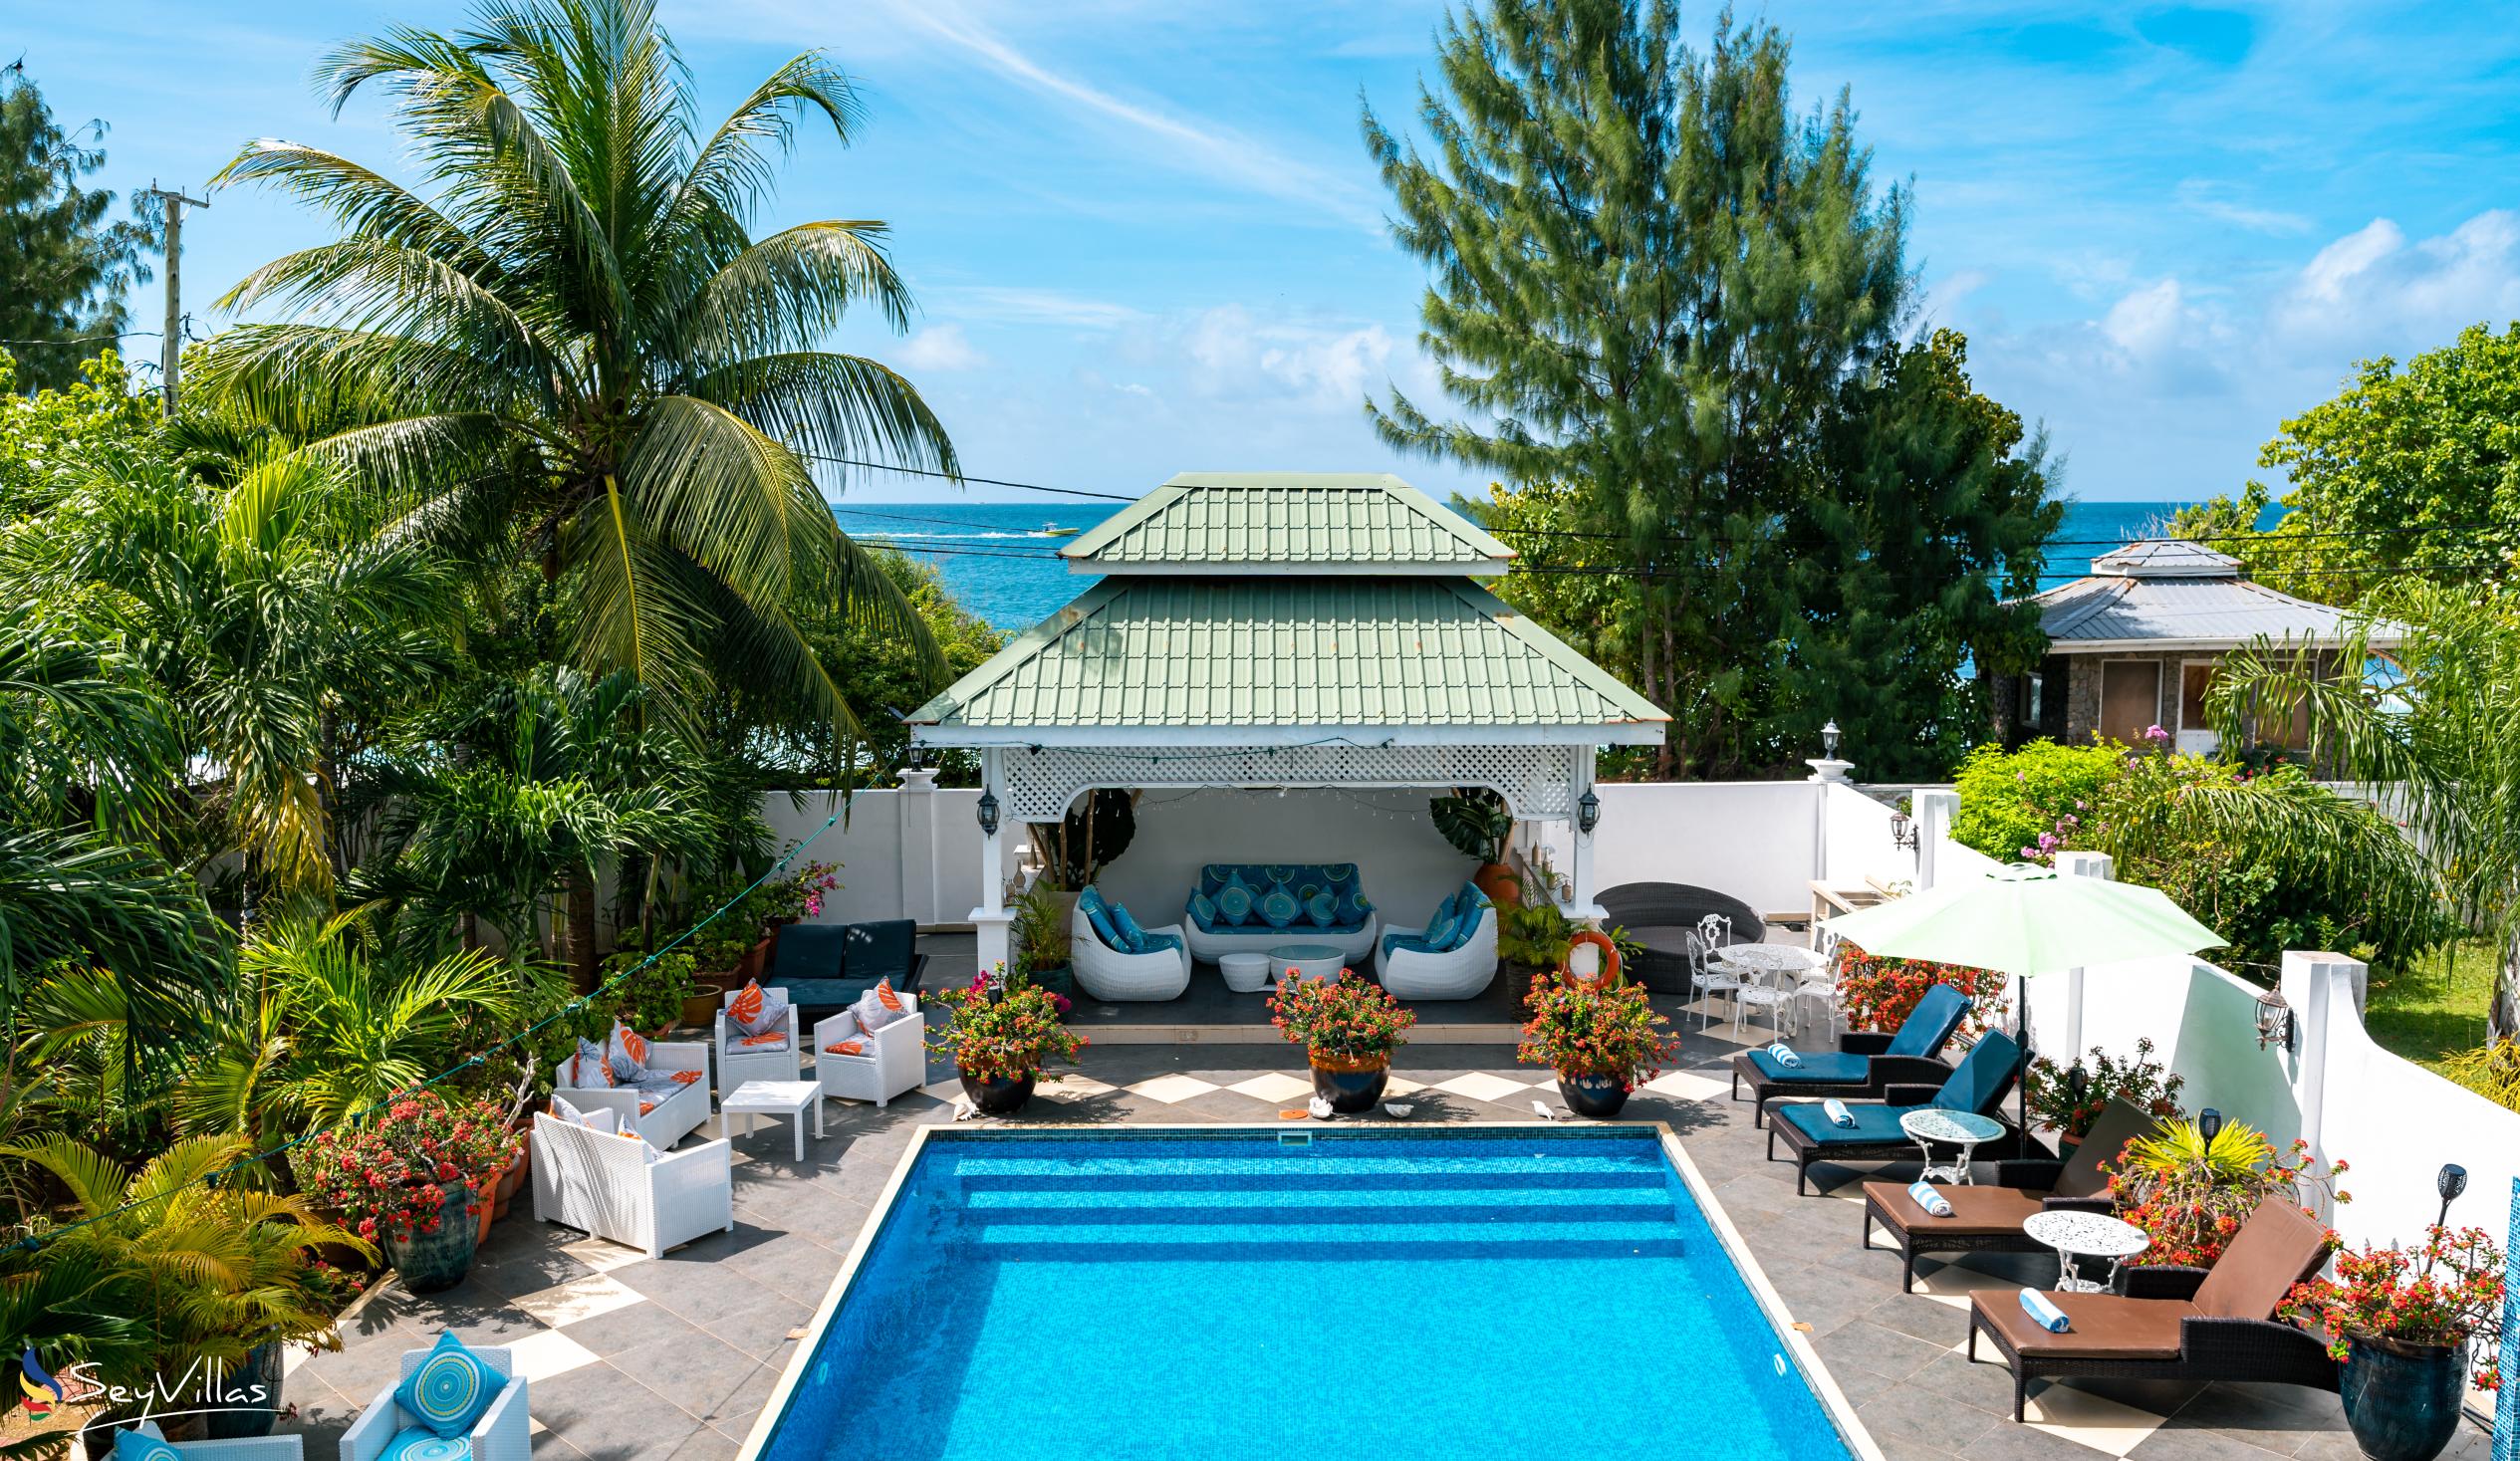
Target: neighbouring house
[(2136, 643)]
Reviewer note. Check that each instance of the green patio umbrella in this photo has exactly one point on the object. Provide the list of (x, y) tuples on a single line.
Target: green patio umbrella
[(2024, 920)]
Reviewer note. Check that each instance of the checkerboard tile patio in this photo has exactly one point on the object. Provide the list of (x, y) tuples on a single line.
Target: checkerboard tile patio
[(673, 1357)]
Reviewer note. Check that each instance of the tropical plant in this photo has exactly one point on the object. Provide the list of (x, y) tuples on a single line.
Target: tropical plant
[(1041, 931), (2072, 1097), (329, 1022), (1096, 831), (574, 346), (2491, 1071), (218, 1267), (1594, 1029), (2192, 1193), (798, 893), (66, 270), (391, 1177), (2448, 1292), (647, 990), (1347, 1019), (1004, 1030), (1879, 994), (1476, 820), (2022, 806), (2444, 740)]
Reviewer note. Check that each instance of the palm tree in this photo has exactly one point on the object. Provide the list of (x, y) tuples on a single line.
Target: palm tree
[(574, 345), (2445, 741)]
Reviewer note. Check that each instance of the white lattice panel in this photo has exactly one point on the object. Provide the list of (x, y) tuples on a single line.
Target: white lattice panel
[(1040, 785)]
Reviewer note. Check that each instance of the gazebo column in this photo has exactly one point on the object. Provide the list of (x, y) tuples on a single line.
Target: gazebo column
[(990, 922), (1582, 814)]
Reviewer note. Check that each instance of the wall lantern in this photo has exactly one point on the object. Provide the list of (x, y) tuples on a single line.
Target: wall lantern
[(988, 814), (1902, 831), (1587, 811), (2275, 1023), (1829, 740)]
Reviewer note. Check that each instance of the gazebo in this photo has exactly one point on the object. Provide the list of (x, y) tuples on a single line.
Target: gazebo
[(1265, 629)]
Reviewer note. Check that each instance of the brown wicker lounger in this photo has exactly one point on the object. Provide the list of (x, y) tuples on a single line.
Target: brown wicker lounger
[(1988, 1219), (2176, 1322)]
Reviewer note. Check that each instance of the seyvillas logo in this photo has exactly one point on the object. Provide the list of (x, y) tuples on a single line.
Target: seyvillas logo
[(43, 1392)]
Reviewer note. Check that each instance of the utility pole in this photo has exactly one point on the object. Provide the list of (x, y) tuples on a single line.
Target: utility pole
[(170, 349)]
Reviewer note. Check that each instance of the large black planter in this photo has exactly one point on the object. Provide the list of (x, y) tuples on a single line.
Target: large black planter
[(996, 1095), (429, 1262), (2402, 1402), (1351, 1088), (1590, 1095), (247, 1398)]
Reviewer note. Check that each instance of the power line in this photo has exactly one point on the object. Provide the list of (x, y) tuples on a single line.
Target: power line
[(86, 338), (844, 461)]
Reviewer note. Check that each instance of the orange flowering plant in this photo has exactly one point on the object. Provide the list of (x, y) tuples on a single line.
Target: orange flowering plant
[(1349, 1017), (1579, 1029), (1005, 1029), (2191, 1194), (2445, 1293), (1877, 993), (391, 1177)]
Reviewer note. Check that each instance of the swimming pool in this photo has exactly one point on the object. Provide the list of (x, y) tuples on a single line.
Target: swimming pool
[(1474, 1294)]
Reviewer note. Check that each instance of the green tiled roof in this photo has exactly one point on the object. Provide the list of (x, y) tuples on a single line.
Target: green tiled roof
[(1272, 520), (1290, 650)]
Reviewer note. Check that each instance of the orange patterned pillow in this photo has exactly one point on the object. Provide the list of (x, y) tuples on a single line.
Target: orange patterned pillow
[(746, 1006), (883, 993), (683, 1078), (645, 1108), (846, 1047), (775, 1036)]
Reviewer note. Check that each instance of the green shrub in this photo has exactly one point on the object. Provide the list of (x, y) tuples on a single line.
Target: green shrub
[(2010, 799)]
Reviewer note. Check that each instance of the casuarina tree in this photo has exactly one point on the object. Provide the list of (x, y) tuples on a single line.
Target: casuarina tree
[(1656, 282), (64, 268)]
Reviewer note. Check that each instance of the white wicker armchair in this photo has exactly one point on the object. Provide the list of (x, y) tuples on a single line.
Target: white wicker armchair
[(606, 1186), (1111, 976), (1455, 974), (504, 1432), (676, 1114), (896, 1059), (243, 1448), (737, 1064)]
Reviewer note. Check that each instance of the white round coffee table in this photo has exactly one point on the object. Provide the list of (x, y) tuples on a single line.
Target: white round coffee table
[(1306, 960), (1245, 973), (2086, 1235), (1963, 1129)]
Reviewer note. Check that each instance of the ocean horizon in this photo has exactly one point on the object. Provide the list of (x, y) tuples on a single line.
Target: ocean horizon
[(1000, 559)]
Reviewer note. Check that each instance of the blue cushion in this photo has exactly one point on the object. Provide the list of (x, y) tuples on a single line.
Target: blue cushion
[(1133, 939), (1414, 943), (1466, 926), (415, 1444), (1157, 944), (1816, 1069), (1203, 910), (449, 1389), (1233, 902), (1280, 906), (1091, 898), (130, 1446), (1984, 1077), (1930, 1023), (1438, 930), (1873, 1125), (1323, 909), (1100, 919)]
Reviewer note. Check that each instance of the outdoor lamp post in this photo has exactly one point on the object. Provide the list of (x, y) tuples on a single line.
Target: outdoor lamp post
[(2210, 1124), (988, 814), (1587, 811), (1829, 740)]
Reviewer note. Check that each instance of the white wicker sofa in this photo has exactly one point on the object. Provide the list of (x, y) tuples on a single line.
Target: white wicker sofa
[(676, 1114), (1114, 975), (737, 1064), (1457, 968), (503, 1433), (607, 1187), (1218, 924), (896, 1059)]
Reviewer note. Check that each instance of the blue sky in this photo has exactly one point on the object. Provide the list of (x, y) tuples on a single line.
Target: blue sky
[(1145, 238)]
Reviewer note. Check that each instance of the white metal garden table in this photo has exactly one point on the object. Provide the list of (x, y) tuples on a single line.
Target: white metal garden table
[(1963, 1129), (2086, 1235)]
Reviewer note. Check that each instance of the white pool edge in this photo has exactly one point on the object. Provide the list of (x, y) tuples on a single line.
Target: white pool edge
[(1815, 1372)]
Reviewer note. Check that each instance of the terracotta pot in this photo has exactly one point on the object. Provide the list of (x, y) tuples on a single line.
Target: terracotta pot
[(1499, 882), (2401, 1400), (996, 1095), (504, 1186), (701, 1010), (1352, 1085), (429, 1262), (755, 959), (1594, 1094)]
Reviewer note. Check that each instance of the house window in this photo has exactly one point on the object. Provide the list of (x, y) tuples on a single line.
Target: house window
[(2034, 710), (2195, 732), (2129, 698)]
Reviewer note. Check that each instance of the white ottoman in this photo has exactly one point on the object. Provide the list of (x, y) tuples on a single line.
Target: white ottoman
[(1245, 973)]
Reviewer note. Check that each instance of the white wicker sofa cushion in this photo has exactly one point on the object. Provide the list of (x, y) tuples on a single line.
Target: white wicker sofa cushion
[(602, 1118)]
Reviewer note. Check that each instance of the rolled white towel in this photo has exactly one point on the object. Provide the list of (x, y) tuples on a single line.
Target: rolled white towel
[(1929, 1199), (1784, 1055), (2043, 1311), (1836, 1111)]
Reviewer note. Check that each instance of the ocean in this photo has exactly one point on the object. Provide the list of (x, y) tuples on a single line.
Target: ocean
[(1000, 560)]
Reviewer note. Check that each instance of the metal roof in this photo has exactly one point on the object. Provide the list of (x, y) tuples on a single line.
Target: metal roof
[(1168, 657), (1271, 522), (2165, 558), (2185, 611)]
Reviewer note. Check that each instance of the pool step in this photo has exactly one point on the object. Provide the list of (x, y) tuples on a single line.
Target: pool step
[(1297, 1241), (1087, 1203), (1319, 1159)]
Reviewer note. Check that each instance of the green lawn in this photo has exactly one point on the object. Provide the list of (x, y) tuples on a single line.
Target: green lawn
[(2436, 1009)]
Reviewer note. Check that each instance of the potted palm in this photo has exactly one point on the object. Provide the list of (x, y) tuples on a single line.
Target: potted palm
[(2190, 1192), (1348, 1028), (2403, 1321), (407, 1183), (1003, 1033), (1477, 821), (1601, 1039)]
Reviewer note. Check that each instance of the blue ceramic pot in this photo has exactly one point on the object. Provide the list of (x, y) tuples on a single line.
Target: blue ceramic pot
[(429, 1262), (2402, 1402), (995, 1096), (1592, 1095), (1352, 1088)]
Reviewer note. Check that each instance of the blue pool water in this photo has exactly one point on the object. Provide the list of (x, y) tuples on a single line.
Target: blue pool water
[(1179, 1297)]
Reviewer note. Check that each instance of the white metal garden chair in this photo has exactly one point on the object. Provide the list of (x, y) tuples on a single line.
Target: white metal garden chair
[(1714, 931)]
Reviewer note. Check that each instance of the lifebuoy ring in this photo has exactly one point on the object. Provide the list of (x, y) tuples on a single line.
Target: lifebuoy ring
[(1604, 976)]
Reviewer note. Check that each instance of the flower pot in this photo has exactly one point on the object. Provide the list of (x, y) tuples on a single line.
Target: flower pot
[(1499, 882), (753, 961), (699, 1011), (1061, 981), (2401, 1400), (429, 1262), (243, 1399), (1352, 1085), (996, 1095), (1593, 1094)]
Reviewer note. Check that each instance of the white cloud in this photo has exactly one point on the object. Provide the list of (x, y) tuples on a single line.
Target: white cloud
[(1012, 305), (2145, 323), (1943, 296), (939, 348), (1332, 368), (2373, 292), (2210, 200)]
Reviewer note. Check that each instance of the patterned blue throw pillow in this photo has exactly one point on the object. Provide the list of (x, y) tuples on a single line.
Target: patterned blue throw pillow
[(1233, 900), (1278, 907), (130, 1446), (415, 1444), (1203, 909), (450, 1389), (1133, 939), (1323, 909)]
